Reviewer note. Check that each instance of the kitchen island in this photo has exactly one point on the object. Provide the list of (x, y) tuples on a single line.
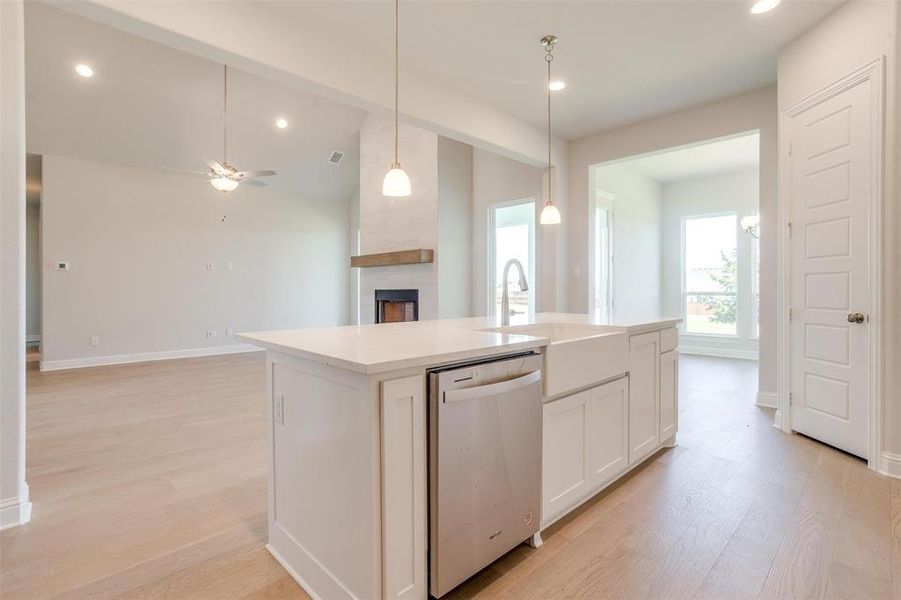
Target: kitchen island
[(348, 438)]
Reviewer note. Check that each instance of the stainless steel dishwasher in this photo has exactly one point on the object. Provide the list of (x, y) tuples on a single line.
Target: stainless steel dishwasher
[(484, 464)]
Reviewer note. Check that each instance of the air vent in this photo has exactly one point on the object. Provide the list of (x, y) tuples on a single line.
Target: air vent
[(336, 158)]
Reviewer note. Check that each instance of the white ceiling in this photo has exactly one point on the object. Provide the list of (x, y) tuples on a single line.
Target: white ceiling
[(703, 160), (152, 106), (623, 61)]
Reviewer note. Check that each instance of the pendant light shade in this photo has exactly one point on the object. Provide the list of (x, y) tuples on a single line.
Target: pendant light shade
[(550, 214), (396, 183)]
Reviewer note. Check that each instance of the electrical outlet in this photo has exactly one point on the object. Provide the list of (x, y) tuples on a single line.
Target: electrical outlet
[(280, 409), (230, 332), (210, 333), (95, 341), (229, 266), (210, 266)]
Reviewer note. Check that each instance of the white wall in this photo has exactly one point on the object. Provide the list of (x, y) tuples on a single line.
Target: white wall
[(15, 507), (748, 112), (856, 34), (138, 242), (454, 252), (636, 241), (498, 179), (728, 192), (33, 270)]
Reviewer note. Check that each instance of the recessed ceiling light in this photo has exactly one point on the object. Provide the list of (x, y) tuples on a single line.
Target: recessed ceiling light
[(556, 86), (84, 70), (762, 6), (281, 123)]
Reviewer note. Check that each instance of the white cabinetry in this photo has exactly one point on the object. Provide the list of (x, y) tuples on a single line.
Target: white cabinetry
[(585, 445), (644, 407), (404, 488), (669, 394)]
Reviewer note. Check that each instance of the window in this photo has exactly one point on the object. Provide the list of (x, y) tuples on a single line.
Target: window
[(512, 233), (710, 275), (603, 263)]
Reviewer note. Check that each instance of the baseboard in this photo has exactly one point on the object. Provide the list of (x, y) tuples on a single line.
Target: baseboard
[(294, 574), (891, 465), (15, 511), (777, 419), (121, 359), (32, 338), (743, 353), (767, 399)]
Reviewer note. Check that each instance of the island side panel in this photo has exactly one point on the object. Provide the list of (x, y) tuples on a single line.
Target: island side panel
[(324, 480), (404, 486)]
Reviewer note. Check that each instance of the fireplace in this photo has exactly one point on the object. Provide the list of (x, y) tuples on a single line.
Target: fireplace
[(394, 306)]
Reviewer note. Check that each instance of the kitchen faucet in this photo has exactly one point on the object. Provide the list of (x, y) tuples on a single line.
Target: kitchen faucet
[(523, 286)]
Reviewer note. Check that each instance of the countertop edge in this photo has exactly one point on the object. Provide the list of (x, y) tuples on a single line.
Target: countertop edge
[(429, 360)]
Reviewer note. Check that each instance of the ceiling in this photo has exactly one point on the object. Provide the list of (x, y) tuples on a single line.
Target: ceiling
[(702, 160), (152, 106), (623, 61)]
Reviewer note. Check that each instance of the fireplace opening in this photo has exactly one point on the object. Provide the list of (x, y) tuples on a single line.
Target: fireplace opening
[(395, 306)]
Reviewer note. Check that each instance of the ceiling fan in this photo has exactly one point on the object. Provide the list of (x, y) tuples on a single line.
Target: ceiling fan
[(223, 176)]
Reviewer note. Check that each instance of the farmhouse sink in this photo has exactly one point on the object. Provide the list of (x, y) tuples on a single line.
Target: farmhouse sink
[(578, 355)]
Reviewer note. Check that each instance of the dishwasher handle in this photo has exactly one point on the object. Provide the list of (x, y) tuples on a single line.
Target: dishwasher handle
[(492, 389)]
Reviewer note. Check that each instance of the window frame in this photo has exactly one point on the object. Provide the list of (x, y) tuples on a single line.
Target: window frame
[(739, 303), (533, 252), (602, 199)]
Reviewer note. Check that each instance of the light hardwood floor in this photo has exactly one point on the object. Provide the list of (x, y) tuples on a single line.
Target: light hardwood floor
[(148, 481)]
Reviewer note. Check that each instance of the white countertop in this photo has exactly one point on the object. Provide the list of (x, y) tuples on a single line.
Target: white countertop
[(391, 346)]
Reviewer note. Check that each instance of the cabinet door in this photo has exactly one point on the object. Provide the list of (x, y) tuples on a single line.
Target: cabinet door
[(564, 472), (644, 429), (608, 425), (404, 525), (669, 394)]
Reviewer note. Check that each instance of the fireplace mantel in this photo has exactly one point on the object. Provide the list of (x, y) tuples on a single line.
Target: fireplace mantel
[(399, 257)]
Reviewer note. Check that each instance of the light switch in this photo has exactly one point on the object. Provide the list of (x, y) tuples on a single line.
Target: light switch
[(210, 266), (62, 265)]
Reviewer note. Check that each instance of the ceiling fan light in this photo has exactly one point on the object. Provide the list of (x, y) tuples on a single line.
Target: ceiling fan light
[(762, 6), (396, 183), (223, 184), (550, 215)]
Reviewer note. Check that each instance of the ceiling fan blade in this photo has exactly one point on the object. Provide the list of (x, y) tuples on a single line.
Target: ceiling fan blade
[(215, 166), (186, 172), (253, 182), (248, 174)]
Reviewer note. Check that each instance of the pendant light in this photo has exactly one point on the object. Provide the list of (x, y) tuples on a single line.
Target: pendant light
[(396, 182), (550, 215)]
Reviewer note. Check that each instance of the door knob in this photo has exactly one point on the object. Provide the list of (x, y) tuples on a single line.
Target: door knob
[(856, 318)]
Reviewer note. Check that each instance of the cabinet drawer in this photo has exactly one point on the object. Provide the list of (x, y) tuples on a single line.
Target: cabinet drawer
[(669, 339)]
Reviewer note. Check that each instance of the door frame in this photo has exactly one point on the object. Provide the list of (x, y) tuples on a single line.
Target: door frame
[(873, 72)]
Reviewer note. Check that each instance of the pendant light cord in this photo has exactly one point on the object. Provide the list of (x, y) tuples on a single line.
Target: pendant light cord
[(549, 42), (225, 116), (396, 77), (548, 59)]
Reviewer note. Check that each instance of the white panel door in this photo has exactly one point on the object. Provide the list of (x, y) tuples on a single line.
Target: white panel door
[(565, 475), (669, 394), (644, 414), (608, 424), (830, 174)]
